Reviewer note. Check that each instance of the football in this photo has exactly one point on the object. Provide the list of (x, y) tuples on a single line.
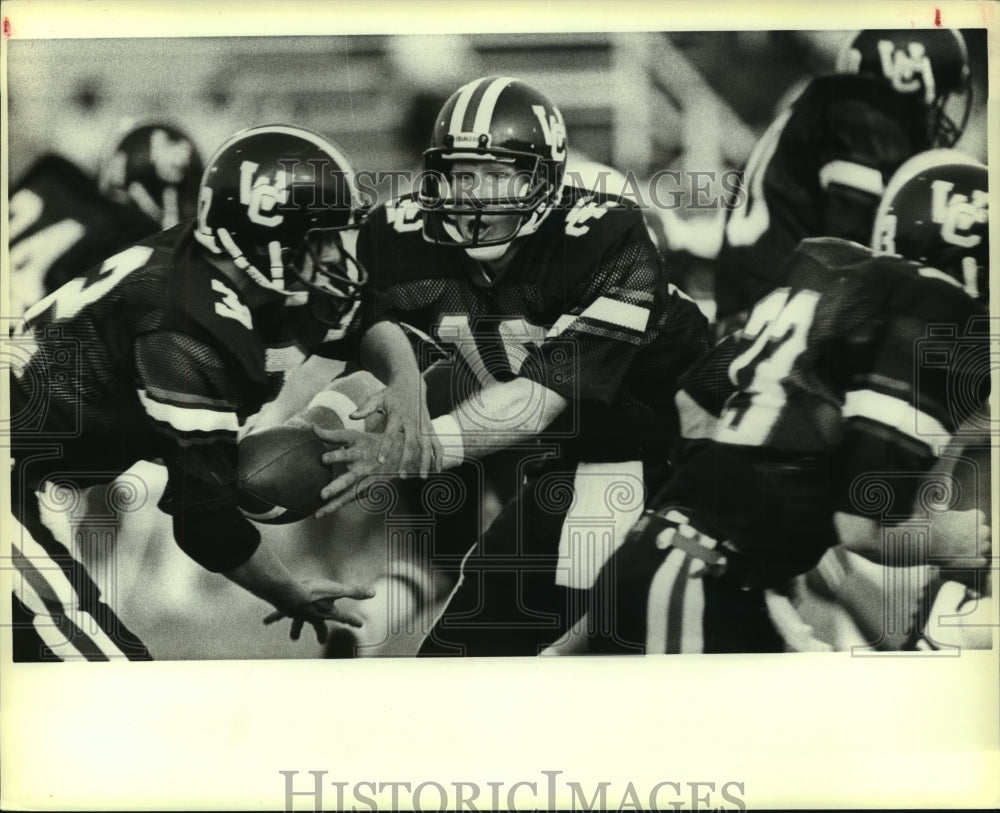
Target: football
[(281, 474)]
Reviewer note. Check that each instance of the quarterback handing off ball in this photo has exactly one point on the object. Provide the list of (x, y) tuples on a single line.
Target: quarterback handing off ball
[(281, 472)]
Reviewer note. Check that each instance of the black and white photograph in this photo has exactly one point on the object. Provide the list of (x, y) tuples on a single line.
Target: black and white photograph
[(385, 397)]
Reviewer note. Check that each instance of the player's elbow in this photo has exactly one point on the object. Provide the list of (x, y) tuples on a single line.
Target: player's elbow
[(218, 541)]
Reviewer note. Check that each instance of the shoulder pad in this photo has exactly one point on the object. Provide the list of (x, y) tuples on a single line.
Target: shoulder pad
[(200, 293), (591, 221)]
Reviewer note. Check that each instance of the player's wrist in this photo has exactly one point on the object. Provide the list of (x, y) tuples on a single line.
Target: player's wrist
[(449, 435)]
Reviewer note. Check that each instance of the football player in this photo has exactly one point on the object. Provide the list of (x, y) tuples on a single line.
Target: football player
[(63, 222), (156, 169), (818, 424), (162, 352), (550, 338), (821, 167)]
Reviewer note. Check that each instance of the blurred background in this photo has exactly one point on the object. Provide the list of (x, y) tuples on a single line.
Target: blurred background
[(638, 102)]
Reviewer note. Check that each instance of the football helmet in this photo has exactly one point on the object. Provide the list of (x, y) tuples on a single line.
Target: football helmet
[(275, 199), (156, 168), (932, 62), (935, 210), (502, 120)]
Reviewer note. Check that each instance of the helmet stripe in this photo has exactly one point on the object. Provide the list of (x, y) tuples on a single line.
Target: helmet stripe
[(488, 103), (465, 96)]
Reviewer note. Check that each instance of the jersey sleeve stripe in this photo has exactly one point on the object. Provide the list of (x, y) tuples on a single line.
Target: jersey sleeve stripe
[(561, 324), (186, 399), (895, 413), (601, 329), (636, 294), (189, 419), (607, 310), (856, 176), (616, 312)]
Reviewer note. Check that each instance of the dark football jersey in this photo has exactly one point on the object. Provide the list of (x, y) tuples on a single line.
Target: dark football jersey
[(585, 309), (61, 225), (152, 354), (818, 171), (875, 361)]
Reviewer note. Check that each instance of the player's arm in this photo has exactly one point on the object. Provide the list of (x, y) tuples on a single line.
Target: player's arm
[(193, 404), (895, 420), (496, 417), (959, 539), (852, 194), (866, 144), (386, 352)]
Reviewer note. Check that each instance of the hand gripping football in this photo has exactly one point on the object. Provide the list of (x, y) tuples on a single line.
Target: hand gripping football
[(281, 472)]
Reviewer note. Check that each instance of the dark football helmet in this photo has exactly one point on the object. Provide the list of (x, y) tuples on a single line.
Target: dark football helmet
[(935, 210), (155, 168), (276, 200), (497, 119), (933, 62)]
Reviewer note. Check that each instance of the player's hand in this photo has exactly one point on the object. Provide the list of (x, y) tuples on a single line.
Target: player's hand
[(960, 543), (359, 451), (313, 601), (408, 434)]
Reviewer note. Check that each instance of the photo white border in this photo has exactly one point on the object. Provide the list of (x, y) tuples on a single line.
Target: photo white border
[(798, 730)]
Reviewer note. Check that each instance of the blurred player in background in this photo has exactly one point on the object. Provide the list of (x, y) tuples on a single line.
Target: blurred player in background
[(824, 395), (821, 167), (550, 337), (63, 221), (162, 352)]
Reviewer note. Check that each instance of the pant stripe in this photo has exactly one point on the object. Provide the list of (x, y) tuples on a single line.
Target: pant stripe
[(693, 631), (52, 571), (675, 620), (660, 590), (39, 598), (52, 625)]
